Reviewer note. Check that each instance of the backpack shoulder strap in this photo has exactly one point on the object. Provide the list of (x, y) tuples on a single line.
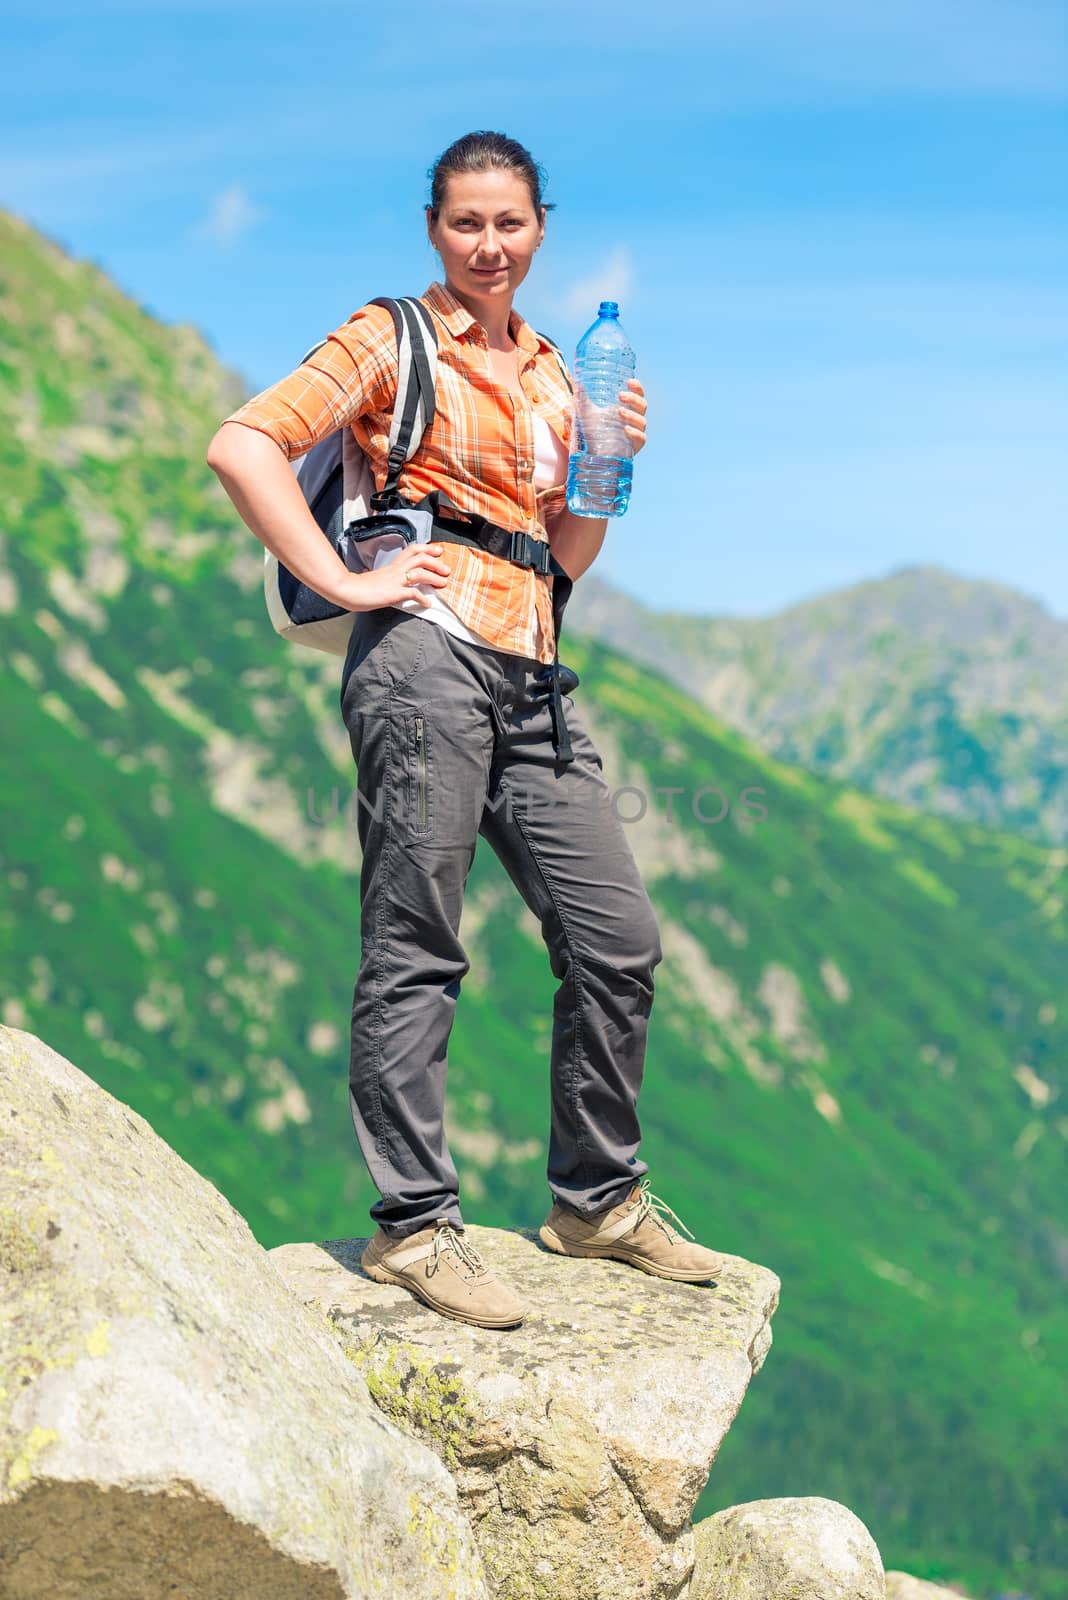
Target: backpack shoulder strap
[(413, 409), (423, 342)]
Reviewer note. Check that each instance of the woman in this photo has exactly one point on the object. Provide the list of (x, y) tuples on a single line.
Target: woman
[(444, 695)]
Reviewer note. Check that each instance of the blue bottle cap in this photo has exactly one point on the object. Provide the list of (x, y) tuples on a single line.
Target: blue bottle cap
[(608, 308)]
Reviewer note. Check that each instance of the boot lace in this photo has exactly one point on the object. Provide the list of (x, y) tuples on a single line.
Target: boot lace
[(649, 1205), (446, 1238)]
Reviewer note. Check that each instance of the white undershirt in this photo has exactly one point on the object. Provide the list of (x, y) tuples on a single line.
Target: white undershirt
[(550, 468)]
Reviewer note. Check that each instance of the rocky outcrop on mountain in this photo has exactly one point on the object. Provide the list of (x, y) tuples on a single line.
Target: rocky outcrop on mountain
[(184, 1412), (175, 1417), (804, 1548), (580, 1440), (173, 1421)]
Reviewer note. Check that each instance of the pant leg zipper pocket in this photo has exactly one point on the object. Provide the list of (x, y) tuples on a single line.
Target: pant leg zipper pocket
[(420, 774)]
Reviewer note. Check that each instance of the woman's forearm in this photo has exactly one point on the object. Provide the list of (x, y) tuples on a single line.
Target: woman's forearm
[(576, 541), (259, 480)]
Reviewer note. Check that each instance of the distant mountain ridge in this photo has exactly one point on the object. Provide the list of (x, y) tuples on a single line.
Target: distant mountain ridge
[(946, 694), (856, 1062)]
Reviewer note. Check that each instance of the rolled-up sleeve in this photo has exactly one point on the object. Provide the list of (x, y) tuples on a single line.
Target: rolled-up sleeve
[(353, 372)]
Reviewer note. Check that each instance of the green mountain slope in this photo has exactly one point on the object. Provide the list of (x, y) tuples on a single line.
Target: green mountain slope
[(856, 1052), (944, 693)]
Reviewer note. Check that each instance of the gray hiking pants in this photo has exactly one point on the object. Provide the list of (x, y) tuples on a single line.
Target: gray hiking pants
[(450, 743)]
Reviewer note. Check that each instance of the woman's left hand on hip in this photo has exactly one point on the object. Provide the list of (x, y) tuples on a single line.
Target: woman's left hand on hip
[(632, 411)]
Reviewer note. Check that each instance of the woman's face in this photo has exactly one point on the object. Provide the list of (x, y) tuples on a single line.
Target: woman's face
[(486, 234)]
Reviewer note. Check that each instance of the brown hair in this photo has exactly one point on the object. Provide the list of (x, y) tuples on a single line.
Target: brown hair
[(480, 152)]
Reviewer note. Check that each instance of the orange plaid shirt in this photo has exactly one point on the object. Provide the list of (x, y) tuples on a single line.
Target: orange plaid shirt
[(479, 448)]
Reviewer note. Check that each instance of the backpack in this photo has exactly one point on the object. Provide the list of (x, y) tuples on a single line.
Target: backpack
[(336, 481), (360, 523)]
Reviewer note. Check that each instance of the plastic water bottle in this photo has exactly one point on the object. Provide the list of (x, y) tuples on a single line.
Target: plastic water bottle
[(601, 466)]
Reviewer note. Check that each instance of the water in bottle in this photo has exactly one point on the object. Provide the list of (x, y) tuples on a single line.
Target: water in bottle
[(602, 457)]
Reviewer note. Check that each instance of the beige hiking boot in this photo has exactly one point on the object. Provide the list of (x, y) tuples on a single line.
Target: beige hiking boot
[(633, 1231), (443, 1269)]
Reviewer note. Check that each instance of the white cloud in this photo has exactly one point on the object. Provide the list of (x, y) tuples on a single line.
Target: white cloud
[(232, 213), (612, 280)]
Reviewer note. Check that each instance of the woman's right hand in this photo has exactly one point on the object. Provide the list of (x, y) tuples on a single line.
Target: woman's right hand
[(385, 586)]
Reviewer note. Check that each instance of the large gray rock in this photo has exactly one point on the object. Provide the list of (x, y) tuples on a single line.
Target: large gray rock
[(579, 1440), (900, 1586), (173, 1421), (801, 1548)]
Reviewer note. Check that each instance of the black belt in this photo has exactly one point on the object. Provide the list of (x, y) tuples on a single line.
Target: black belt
[(512, 545)]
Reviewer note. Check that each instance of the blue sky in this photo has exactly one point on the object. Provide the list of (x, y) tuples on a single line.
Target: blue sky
[(838, 234)]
